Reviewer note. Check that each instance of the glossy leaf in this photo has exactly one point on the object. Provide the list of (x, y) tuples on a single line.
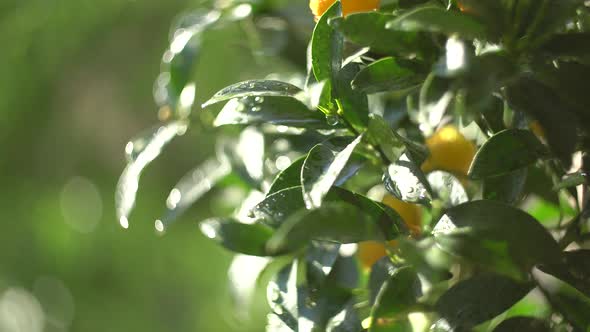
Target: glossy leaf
[(254, 88), (284, 111), (447, 188), (572, 180), (381, 134), (129, 181), (388, 74), (326, 46), (278, 207), (381, 271), (496, 236), (323, 165), (406, 181), (437, 19), (353, 105), (192, 187), (478, 299), (507, 151), (249, 239), (290, 177), (523, 324)]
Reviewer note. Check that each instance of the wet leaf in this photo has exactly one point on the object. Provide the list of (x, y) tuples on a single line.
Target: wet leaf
[(507, 151), (249, 239), (128, 183), (192, 187), (326, 46), (333, 221), (284, 111), (254, 88), (478, 299), (406, 181), (323, 165)]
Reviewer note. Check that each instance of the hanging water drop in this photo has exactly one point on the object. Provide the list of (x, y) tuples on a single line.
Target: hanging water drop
[(332, 120), (259, 100), (256, 109)]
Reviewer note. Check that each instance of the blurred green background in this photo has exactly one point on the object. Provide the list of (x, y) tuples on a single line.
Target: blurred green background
[(76, 80)]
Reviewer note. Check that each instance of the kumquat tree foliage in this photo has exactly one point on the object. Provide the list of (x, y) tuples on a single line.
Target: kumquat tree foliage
[(425, 171)]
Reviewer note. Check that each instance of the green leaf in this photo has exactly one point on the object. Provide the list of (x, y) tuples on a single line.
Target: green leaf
[(380, 134), (436, 19), (353, 105), (381, 271), (555, 116), (333, 221), (368, 29), (290, 177), (284, 111), (507, 151), (507, 188), (406, 181), (427, 258), (447, 188), (492, 13), (191, 188), (141, 155), (567, 45), (571, 180), (323, 165), (326, 46), (254, 88), (282, 296), (478, 299), (572, 304), (496, 236), (523, 324), (575, 271), (278, 207), (396, 298), (388, 74), (249, 239)]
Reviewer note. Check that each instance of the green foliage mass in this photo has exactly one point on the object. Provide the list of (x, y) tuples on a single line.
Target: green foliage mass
[(308, 148)]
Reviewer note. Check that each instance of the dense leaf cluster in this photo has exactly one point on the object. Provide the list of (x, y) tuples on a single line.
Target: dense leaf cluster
[(377, 85)]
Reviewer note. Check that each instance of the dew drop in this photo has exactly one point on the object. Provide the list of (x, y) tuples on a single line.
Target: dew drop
[(159, 226), (256, 109), (332, 120), (259, 100)]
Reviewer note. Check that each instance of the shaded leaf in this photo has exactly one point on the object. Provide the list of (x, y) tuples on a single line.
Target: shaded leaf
[(572, 304), (496, 236), (571, 180), (555, 117), (437, 19), (507, 151), (323, 165), (567, 45), (249, 239), (353, 105), (396, 297), (254, 88), (274, 110), (523, 324), (368, 29), (478, 299), (507, 188), (388, 74), (381, 271)]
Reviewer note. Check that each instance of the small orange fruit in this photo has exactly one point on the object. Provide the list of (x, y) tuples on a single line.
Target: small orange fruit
[(537, 129), (319, 7), (369, 252), (449, 151)]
